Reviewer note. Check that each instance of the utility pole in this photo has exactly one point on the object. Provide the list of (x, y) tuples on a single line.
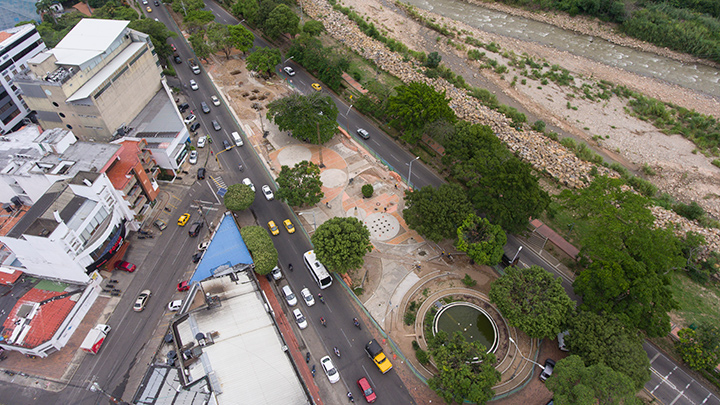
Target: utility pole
[(320, 145)]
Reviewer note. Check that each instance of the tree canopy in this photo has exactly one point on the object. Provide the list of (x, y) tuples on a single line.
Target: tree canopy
[(326, 63), (436, 213), (158, 32), (700, 348), (300, 185), (247, 9), (280, 21), (416, 105), (482, 240), (239, 197), (465, 370), (313, 27), (341, 244), (533, 300), (605, 339), (263, 60), (573, 383), (305, 115), (259, 243)]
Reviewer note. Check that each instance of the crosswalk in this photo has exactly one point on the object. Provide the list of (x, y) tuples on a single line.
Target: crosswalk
[(222, 187)]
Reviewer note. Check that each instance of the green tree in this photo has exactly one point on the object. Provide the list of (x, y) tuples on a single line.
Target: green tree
[(238, 197), (114, 11), (260, 244), (341, 244), (433, 60), (573, 383), (601, 339), (185, 6), (263, 60), (247, 9), (436, 213), (533, 300), (313, 28), (266, 6), (241, 38), (200, 45), (415, 106), (367, 190), (311, 118), (280, 21), (482, 240), (300, 185), (158, 32), (700, 349), (465, 370), (196, 19), (218, 38), (43, 7)]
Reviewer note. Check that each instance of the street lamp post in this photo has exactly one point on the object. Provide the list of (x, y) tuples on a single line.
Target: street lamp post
[(410, 171), (287, 59), (521, 355), (347, 118), (516, 255)]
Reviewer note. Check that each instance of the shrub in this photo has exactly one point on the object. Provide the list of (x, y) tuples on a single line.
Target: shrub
[(409, 318), (468, 281), (415, 345), (367, 190), (422, 356), (539, 126), (691, 211)]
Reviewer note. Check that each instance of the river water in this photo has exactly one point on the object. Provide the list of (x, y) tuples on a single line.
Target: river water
[(696, 77)]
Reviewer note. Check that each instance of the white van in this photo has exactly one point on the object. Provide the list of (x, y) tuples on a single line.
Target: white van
[(237, 138)]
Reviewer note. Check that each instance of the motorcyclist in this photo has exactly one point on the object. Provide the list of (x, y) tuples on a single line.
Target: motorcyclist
[(337, 352), (290, 267), (322, 321), (356, 322)]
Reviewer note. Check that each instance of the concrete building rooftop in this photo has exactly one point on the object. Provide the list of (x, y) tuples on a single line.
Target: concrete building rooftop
[(89, 38), (159, 119)]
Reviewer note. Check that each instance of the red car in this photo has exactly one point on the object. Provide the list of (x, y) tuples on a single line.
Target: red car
[(183, 286), (173, 47), (367, 390), (123, 265)]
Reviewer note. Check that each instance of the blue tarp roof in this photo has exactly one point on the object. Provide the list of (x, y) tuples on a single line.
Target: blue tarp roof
[(226, 248)]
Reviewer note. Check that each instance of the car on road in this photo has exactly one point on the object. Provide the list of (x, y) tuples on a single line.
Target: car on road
[(276, 273), (226, 145), (307, 297), (289, 71), (201, 173), (289, 226), (193, 157), (267, 192), (183, 107), (201, 141), (205, 108), (141, 300), (367, 390), (149, 10), (363, 133), (330, 371), (190, 118), (273, 228), (177, 58), (246, 181), (289, 296), (175, 305), (195, 229), (145, 2), (184, 218), (203, 245), (316, 86), (548, 370), (194, 127), (193, 84), (126, 266), (183, 286), (157, 4), (375, 352), (160, 224), (216, 125), (299, 319), (215, 100)]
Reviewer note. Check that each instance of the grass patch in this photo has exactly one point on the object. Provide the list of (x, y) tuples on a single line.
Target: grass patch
[(698, 303)]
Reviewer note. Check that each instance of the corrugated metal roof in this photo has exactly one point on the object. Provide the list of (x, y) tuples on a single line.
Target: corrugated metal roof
[(89, 38), (226, 248)]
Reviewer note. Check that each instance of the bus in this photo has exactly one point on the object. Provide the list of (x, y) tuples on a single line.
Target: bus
[(317, 270)]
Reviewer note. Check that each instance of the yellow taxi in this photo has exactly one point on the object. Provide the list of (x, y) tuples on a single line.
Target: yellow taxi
[(184, 218), (289, 226), (149, 10), (316, 86), (273, 228)]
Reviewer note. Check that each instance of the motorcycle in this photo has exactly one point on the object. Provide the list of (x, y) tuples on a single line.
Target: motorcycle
[(290, 267), (307, 358), (357, 323), (313, 371), (241, 167), (337, 351), (350, 396), (321, 298), (322, 321)]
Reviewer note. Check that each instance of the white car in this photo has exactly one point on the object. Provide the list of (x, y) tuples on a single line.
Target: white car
[(141, 300), (300, 319), (267, 192), (193, 157), (307, 296), (193, 84), (203, 245), (201, 141), (289, 71), (175, 305), (330, 371), (190, 118), (276, 273), (246, 181), (289, 296), (215, 100)]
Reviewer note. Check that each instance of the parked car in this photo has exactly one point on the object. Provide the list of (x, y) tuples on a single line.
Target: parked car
[(216, 125), (183, 107), (193, 157), (160, 224), (276, 273), (561, 340), (367, 390), (203, 245), (307, 297), (215, 100), (316, 86), (289, 226), (175, 305), (246, 181), (201, 141), (267, 192), (289, 296), (190, 118), (183, 286), (193, 84), (330, 371), (195, 229), (196, 257), (273, 228), (157, 4), (141, 300), (126, 266), (205, 107), (289, 71), (299, 319), (184, 218), (548, 370), (194, 127), (201, 173), (363, 133)]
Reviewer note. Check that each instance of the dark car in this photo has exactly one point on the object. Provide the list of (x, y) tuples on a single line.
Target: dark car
[(201, 173), (548, 370), (196, 257), (183, 107), (216, 125), (194, 126), (177, 59), (195, 229), (226, 145), (123, 265), (156, 2), (205, 107)]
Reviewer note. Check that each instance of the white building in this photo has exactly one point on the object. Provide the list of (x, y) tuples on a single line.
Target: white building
[(17, 46)]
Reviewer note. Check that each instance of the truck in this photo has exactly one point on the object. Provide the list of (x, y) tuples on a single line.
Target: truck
[(95, 338), (194, 66), (375, 352)]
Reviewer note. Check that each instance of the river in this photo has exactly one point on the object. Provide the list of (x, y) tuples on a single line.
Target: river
[(693, 76)]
